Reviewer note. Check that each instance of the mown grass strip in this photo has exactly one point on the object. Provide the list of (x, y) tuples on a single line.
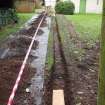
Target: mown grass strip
[(50, 51), (88, 26)]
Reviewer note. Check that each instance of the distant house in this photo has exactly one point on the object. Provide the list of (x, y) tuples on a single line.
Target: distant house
[(88, 6), (27, 5)]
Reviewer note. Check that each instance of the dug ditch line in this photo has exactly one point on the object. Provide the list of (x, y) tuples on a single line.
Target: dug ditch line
[(59, 79), (82, 62), (9, 69), (10, 65)]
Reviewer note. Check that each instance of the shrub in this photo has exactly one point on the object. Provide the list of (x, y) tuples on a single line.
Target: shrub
[(66, 8)]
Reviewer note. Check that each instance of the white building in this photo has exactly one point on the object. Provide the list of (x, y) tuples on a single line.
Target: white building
[(87, 6), (50, 3)]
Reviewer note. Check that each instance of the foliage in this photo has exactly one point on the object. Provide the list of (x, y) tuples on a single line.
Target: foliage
[(66, 8), (13, 15), (8, 16), (9, 29)]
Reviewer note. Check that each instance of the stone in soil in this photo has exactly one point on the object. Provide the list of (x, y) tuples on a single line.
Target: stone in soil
[(9, 69)]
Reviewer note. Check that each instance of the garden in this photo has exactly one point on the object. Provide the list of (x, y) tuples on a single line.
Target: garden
[(54, 54)]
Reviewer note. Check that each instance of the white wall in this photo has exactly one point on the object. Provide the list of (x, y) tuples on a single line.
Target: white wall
[(77, 3), (99, 7), (93, 7), (50, 3)]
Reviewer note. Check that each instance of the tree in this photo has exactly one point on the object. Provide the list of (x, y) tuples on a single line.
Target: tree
[(101, 88)]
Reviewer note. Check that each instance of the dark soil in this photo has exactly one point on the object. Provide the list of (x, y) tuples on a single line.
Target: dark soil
[(33, 26), (44, 23), (30, 32), (83, 72), (22, 43), (9, 69), (79, 77), (84, 75), (58, 79), (10, 66)]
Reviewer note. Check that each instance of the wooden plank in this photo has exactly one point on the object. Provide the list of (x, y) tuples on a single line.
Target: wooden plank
[(58, 97)]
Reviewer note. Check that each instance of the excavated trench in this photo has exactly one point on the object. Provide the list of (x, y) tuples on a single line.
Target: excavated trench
[(12, 53), (79, 76), (59, 78)]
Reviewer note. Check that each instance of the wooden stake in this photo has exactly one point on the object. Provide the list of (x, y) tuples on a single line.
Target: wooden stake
[(58, 97)]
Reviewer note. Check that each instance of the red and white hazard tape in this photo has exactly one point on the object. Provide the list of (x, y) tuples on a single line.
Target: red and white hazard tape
[(10, 101)]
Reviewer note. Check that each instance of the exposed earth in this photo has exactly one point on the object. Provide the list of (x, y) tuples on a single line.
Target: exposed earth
[(77, 73), (74, 69), (15, 48)]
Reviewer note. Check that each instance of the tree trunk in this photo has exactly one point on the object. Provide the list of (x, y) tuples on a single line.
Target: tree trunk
[(101, 91)]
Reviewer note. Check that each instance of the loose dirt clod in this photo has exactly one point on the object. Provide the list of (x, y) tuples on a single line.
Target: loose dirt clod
[(24, 43), (30, 32), (9, 69), (59, 79), (11, 63), (82, 63)]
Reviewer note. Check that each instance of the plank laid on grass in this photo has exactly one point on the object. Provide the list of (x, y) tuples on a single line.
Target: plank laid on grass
[(58, 97)]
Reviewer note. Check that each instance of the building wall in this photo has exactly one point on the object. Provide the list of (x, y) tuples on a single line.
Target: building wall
[(94, 6), (77, 4), (50, 3), (100, 6), (24, 6)]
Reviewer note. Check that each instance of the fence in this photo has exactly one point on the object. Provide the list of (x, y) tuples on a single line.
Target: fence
[(25, 6), (7, 16)]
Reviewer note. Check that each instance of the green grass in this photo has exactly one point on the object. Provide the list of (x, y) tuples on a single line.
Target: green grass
[(50, 55), (88, 26), (9, 29)]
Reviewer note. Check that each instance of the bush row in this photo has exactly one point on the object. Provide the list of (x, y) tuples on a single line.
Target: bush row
[(66, 7)]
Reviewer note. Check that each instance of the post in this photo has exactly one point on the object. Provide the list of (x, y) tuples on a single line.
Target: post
[(101, 88)]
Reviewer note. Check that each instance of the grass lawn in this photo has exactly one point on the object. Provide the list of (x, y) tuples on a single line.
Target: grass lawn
[(88, 26), (7, 30), (50, 55), (50, 52)]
